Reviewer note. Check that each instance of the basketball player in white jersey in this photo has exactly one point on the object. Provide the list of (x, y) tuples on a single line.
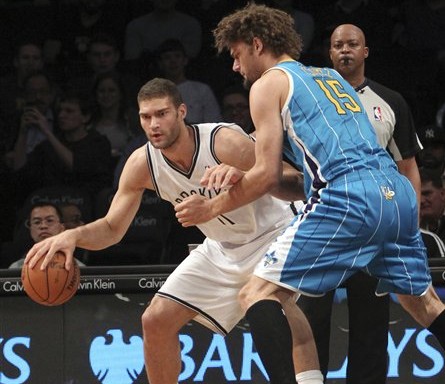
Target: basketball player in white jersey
[(205, 286)]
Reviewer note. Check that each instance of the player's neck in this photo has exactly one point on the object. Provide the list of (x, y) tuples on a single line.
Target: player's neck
[(181, 152), (284, 58)]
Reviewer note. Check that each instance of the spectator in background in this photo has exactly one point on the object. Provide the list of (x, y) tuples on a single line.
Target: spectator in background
[(71, 215), (201, 102), (144, 34), (432, 206), (75, 25), (111, 116), (36, 117), (27, 60), (45, 220), (103, 56), (72, 218), (77, 156), (235, 107), (432, 156)]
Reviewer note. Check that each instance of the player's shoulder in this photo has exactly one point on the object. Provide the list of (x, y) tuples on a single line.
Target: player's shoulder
[(138, 157), (136, 172), (213, 128)]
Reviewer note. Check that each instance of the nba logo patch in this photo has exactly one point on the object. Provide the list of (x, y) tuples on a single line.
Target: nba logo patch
[(377, 114)]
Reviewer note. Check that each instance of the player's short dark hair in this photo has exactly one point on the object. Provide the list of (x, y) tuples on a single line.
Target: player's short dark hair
[(273, 26), (159, 87)]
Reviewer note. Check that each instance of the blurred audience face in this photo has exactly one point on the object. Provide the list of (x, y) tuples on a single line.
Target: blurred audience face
[(172, 63), (432, 201), (71, 117), (28, 60), (235, 109), (348, 50), (108, 94), (39, 92), (44, 222), (72, 216), (103, 57)]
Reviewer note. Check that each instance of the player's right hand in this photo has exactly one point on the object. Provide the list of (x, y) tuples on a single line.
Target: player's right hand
[(62, 242)]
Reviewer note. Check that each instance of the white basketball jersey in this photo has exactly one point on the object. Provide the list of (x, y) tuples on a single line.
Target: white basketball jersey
[(237, 227)]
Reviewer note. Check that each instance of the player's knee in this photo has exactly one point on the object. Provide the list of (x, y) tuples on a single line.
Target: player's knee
[(153, 320)]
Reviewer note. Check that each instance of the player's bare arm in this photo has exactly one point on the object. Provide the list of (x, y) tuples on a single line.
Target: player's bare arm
[(238, 152), (408, 167), (266, 173), (105, 231)]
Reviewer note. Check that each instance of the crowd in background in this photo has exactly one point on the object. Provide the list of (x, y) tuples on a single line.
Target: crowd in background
[(70, 72)]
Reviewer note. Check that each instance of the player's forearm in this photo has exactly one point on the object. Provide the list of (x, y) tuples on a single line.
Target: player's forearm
[(96, 235), (250, 188)]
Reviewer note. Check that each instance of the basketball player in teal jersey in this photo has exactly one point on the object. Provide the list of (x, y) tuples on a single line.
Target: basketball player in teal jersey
[(368, 322), (361, 213)]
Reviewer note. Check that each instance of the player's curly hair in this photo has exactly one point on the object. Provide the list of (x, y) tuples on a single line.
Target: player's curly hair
[(274, 27)]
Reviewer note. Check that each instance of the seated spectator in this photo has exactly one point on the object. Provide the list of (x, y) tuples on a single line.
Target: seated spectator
[(432, 206), (45, 220), (202, 105), (27, 60), (22, 134), (432, 156), (75, 24), (103, 56), (71, 215), (38, 110), (72, 218), (111, 116), (235, 107), (76, 157), (144, 34)]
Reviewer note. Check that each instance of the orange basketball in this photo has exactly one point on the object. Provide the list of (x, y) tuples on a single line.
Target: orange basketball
[(54, 285)]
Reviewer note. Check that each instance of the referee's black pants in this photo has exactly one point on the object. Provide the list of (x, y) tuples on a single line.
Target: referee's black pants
[(368, 329)]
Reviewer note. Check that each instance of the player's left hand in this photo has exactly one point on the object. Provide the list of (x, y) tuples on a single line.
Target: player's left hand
[(193, 210), (221, 176)]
